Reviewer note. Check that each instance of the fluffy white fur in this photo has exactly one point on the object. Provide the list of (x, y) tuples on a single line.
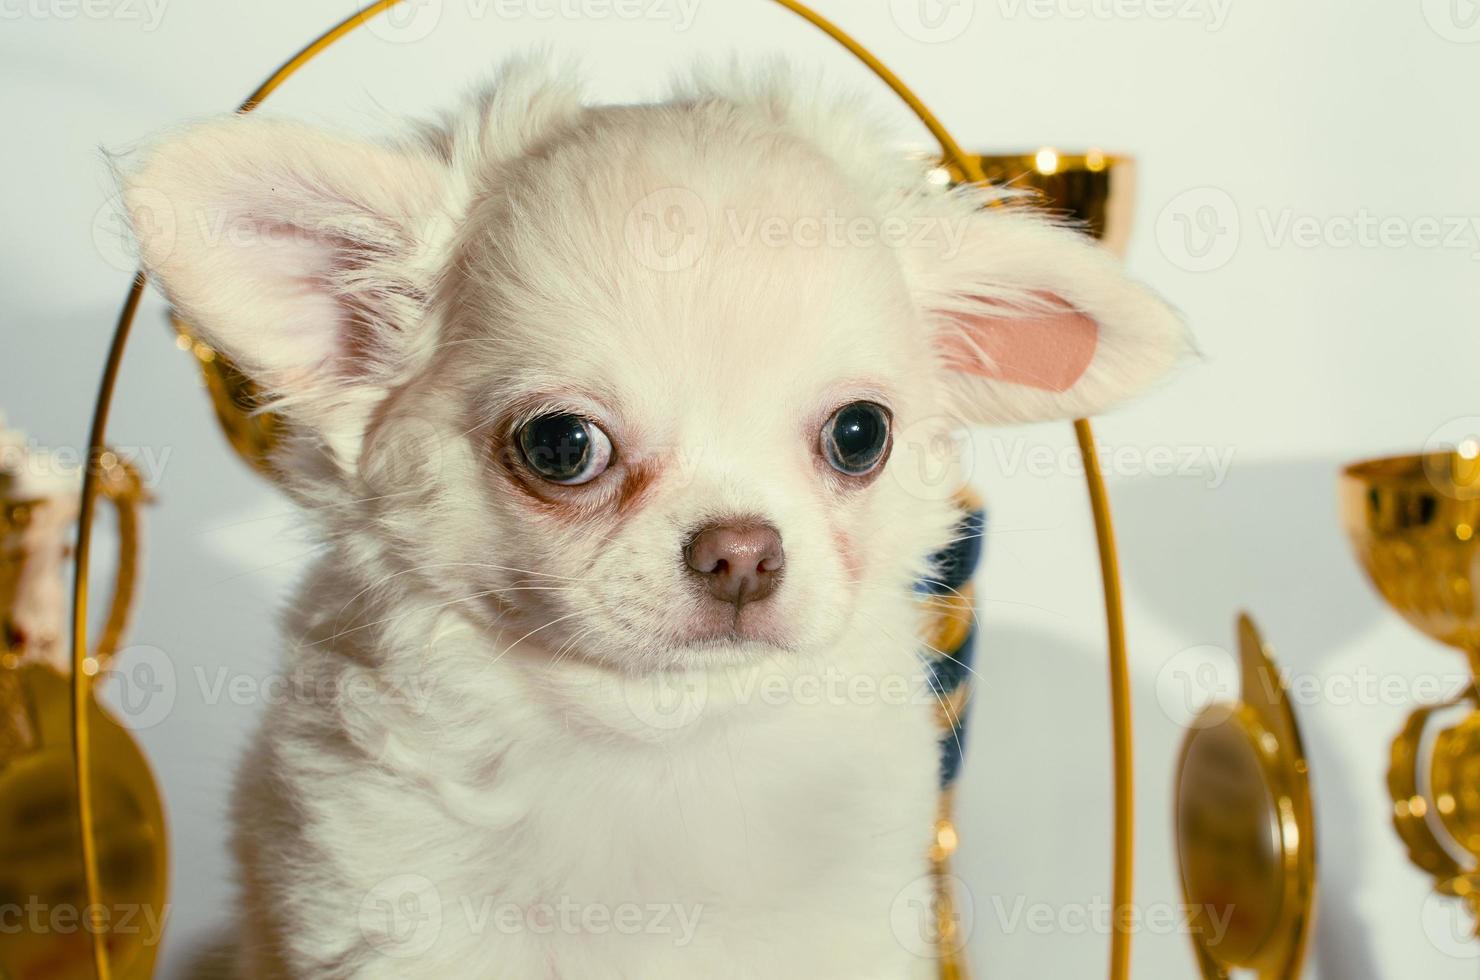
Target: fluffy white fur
[(500, 715)]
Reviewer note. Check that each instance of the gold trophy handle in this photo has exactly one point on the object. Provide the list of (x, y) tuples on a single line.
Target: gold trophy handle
[(1410, 807), (119, 482)]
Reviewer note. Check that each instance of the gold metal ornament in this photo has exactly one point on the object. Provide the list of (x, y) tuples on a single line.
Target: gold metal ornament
[(236, 399), (949, 942), (1413, 522), (42, 876), (1094, 189), (1246, 827)]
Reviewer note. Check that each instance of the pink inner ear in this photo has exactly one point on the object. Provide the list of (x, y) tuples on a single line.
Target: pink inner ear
[(1049, 350)]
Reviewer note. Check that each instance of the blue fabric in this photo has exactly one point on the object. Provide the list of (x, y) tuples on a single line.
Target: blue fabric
[(956, 563), (950, 670), (946, 676)]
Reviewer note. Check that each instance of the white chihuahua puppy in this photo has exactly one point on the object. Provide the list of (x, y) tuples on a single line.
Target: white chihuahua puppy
[(610, 416)]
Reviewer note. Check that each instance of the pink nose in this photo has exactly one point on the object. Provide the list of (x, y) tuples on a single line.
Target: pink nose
[(738, 563)]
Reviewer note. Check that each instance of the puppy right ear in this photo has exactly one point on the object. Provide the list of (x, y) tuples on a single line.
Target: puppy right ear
[(1034, 321), (305, 257)]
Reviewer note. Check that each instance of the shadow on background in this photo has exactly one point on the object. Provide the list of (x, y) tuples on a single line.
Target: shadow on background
[(1035, 812), (1269, 540)]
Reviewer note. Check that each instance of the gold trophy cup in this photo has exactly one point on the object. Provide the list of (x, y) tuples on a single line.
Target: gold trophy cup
[(1413, 521), (49, 920)]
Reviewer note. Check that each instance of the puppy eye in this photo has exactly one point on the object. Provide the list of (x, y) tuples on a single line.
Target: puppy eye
[(565, 449), (855, 439)]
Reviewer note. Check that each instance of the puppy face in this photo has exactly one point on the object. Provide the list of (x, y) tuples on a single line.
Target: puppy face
[(688, 458), (627, 383)]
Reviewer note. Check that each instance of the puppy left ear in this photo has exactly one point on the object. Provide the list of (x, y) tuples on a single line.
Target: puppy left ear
[(1034, 321), (305, 257)]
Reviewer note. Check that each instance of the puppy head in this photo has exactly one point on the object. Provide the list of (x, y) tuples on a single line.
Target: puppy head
[(630, 381)]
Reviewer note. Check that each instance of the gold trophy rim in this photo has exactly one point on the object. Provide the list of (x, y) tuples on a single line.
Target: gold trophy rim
[(1411, 470)]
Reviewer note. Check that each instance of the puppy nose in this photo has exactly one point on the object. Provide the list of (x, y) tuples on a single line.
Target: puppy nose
[(737, 563)]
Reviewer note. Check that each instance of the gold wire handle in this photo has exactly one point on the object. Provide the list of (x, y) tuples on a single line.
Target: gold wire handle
[(1120, 936), (120, 483)]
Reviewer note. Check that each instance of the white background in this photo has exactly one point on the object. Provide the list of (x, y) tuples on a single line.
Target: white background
[(1268, 131)]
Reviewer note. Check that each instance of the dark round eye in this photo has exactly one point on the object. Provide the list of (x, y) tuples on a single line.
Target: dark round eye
[(564, 448), (856, 438)]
